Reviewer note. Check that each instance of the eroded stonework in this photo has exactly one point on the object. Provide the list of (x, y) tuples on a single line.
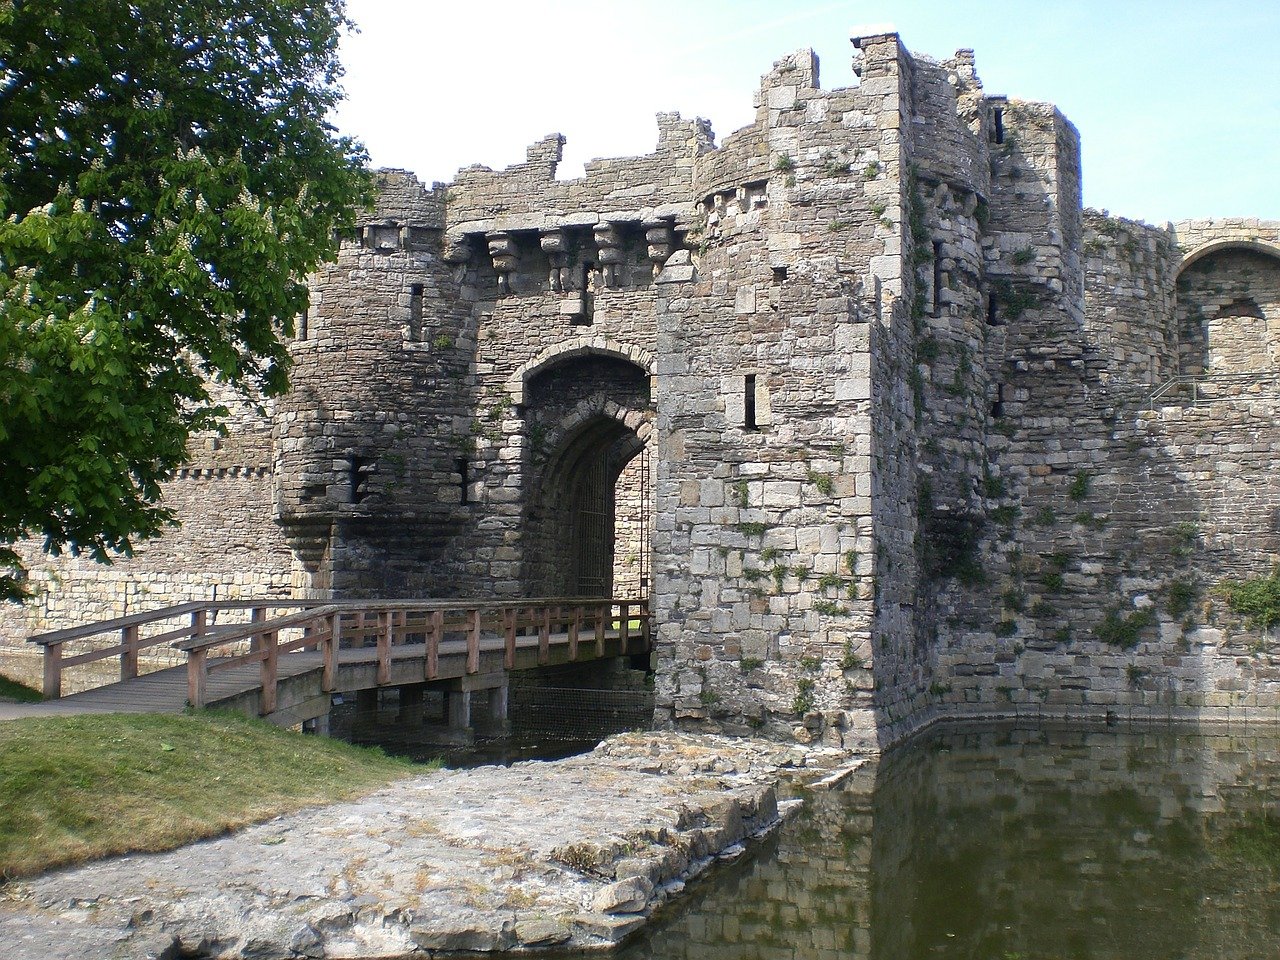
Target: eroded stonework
[(886, 424)]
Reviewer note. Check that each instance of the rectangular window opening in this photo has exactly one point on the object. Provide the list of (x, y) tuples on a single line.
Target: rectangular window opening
[(937, 277), (587, 315), (464, 479), (993, 311), (358, 470), (415, 311), (749, 402), (997, 124), (997, 405), (302, 324), (779, 274)]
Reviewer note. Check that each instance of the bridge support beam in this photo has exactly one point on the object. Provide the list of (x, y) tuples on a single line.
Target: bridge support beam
[(412, 704), (458, 710), (367, 705), (498, 719)]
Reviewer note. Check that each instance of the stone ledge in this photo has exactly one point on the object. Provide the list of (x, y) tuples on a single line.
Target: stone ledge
[(576, 853)]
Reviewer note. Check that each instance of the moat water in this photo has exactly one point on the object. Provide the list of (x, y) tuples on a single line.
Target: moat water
[(1011, 845)]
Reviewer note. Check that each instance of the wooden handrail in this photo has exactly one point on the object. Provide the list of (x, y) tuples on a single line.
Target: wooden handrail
[(319, 625), (161, 613), (131, 640)]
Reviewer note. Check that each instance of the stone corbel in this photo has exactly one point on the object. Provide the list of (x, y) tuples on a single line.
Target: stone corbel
[(610, 250), (660, 237), (502, 249), (553, 246)]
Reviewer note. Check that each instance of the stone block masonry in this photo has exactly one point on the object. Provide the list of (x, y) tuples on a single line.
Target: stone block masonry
[(888, 427)]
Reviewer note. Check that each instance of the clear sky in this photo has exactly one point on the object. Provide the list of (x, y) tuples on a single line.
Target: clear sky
[(1177, 101)]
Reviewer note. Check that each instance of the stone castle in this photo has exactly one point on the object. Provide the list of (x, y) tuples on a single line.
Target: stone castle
[(888, 427)]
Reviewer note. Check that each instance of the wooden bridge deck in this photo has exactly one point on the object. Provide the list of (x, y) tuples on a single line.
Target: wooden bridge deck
[(386, 645)]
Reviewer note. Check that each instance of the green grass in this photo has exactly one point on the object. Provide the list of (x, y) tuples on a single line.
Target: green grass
[(13, 690), (77, 788)]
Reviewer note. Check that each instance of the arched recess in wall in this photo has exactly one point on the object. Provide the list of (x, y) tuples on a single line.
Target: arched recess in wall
[(1228, 309), (567, 350), (588, 500)]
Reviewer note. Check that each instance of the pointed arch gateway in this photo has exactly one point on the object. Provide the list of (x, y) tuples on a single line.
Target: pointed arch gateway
[(588, 502)]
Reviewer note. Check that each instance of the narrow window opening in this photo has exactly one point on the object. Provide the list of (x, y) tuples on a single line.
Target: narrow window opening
[(749, 402), (358, 470), (464, 480), (302, 324), (586, 316), (937, 277), (415, 311), (779, 274), (997, 405), (997, 124), (993, 311)]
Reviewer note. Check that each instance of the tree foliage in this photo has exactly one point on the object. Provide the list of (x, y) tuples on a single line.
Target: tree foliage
[(167, 180)]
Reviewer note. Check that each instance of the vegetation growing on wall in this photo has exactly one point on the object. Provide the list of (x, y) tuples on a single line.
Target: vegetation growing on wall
[(1257, 599), (1124, 630)]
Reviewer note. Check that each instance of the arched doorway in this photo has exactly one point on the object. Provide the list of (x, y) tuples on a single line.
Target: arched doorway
[(588, 498), (1228, 310)]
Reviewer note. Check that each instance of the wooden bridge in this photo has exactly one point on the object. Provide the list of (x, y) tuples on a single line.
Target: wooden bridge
[(288, 659)]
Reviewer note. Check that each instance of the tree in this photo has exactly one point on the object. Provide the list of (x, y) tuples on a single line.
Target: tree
[(167, 181)]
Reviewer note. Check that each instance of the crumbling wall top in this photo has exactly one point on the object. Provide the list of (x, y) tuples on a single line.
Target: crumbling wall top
[(403, 200), (527, 196)]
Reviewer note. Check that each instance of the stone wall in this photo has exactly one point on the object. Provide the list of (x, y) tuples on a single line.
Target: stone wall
[(764, 552), (1121, 502)]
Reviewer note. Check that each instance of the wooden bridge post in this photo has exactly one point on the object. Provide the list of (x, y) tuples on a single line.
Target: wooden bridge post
[(434, 633), (270, 671), (197, 676), (332, 643), (509, 637), (544, 637), (603, 611), (256, 615), (129, 653), (386, 623), (624, 626), (52, 671), (575, 626), (473, 640)]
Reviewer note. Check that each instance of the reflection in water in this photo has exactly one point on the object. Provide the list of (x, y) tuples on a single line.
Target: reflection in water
[(1013, 845)]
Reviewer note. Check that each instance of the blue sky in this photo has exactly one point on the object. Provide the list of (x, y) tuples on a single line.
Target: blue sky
[(1177, 103)]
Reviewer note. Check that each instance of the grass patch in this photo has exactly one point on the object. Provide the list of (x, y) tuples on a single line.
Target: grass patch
[(13, 690), (78, 788)]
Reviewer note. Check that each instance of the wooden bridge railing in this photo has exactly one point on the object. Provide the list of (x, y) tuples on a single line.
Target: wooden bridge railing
[(329, 627), (132, 634)]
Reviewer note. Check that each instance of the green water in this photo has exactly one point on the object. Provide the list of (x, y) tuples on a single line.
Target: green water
[(1012, 845)]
